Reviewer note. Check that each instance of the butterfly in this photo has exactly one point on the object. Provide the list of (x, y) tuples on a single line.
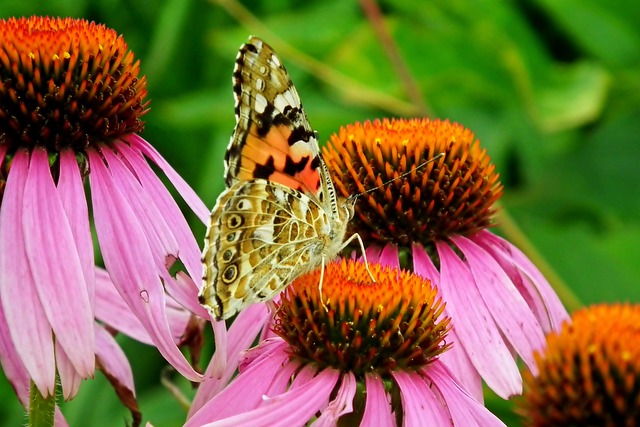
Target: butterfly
[(280, 216)]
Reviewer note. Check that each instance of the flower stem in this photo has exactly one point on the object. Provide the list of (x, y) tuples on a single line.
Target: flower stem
[(41, 409)]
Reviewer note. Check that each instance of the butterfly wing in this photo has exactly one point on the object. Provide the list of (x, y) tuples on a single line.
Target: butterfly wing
[(257, 244), (266, 225), (273, 139)]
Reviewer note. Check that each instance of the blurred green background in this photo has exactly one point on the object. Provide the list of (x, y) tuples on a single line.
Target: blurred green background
[(550, 87)]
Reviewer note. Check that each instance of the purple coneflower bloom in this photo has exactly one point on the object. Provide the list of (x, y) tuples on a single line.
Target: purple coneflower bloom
[(434, 221), (589, 373), (71, 101), (366, 353)]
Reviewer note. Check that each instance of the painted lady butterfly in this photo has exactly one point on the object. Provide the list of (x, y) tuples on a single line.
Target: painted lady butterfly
[(280, 216)]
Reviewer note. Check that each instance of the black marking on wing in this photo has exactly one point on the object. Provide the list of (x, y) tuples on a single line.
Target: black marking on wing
[(299, 133), (291, 167), (265, 120), (266, 170)]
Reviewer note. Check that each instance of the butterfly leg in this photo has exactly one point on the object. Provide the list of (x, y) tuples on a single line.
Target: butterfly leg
[(364, 252), (320, 284)]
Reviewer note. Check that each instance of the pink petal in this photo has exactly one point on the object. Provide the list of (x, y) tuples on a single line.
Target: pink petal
[(28, 324), (389, 256), (130, 263), (58, 420), (458, 362), (294, 407), (3, 152), (506, 252), (509, 309), (377, 410), (74, 203), (69, 377), (241, 335), (161, 240), (189, 196), (463, 409), (474, 325), (420, 405), (184, 290), (113, 360), (189, 248), (245, 391), (341, 404), (373, 254), (112, 310), (12, 366), (57, 274), (423, 266), (456, 357)]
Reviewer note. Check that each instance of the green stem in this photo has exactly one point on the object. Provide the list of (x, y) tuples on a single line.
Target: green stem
[(41, 409)]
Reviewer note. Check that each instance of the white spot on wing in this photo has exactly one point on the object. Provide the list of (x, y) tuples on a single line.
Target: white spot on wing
[(263, 233), (260, 103)]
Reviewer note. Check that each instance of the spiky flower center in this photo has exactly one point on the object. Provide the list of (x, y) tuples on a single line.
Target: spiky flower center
[(66, 83), (359, 325), (589, 374), (452, 195)]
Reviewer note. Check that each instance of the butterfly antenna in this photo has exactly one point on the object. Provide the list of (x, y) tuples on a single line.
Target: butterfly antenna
[(420, 166)]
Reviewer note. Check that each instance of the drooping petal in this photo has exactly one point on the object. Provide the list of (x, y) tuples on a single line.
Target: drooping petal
[(130, 262), (377, 409), (184, 290), (458, 362), (294, 407), (160, 233), (57, 273), (161, 240), (463, 409), (509, 309), (12, 366), (245, 392), (59, 420), (112, 310), (74, 203), (113, 360), (189, 249), (474, 326), (187, 193), (505, 252), (456, 357), (341, 404), (242, 333), (420, 405), (69, 377), (31, 335)]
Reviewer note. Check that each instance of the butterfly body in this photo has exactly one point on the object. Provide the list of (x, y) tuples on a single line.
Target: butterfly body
[(279, 216)]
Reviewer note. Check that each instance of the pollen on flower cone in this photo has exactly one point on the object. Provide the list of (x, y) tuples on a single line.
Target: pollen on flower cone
[(452, 195), (66, 83), (589, 374), (363, 326)]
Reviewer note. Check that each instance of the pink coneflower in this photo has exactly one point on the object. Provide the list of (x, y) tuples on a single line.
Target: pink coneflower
[(589, 373), (71, 102), (364, 353), (434, 221)]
